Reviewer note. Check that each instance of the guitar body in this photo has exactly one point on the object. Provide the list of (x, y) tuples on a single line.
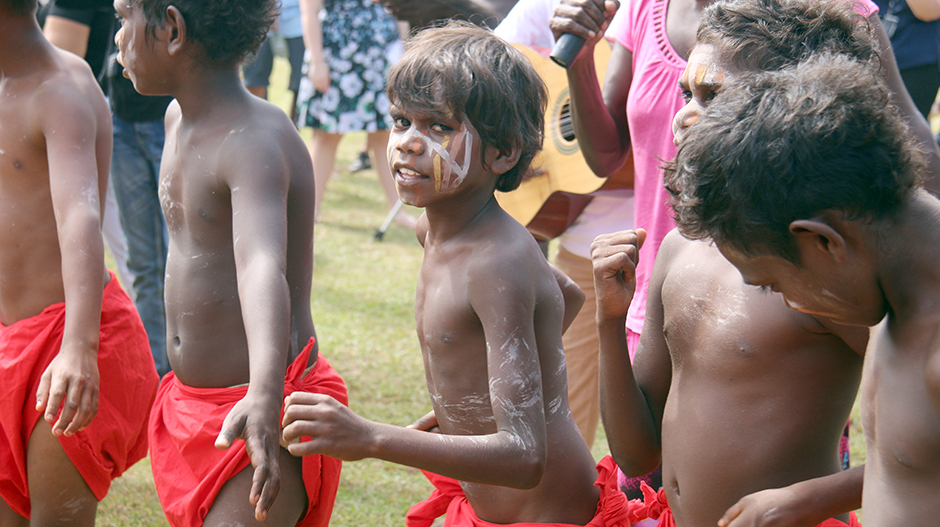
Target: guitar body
[(550, 200)]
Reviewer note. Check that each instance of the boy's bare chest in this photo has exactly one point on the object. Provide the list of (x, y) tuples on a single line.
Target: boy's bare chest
[(900, 416), (192, 190)]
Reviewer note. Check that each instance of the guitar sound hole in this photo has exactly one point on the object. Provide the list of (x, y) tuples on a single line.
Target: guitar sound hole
[(565, 123)]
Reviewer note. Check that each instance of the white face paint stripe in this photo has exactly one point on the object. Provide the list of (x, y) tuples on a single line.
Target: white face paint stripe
[(454, 172)]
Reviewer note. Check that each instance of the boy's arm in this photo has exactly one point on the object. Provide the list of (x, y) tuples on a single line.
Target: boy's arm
[(804, 504), (258, 176), (573, 295), (513, 456), (73, 130), (602, 132), (632, 399)]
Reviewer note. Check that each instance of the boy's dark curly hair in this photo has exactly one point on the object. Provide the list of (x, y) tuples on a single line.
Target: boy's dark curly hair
[(771, 34), (228, 30), (774, 147), (468, 71)]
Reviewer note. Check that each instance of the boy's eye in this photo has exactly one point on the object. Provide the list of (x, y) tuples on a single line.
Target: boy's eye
[(686, 95), (441, 128), (401, 122)]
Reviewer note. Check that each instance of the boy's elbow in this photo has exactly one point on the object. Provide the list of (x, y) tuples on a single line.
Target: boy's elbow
[(635, 467), (530, 471)]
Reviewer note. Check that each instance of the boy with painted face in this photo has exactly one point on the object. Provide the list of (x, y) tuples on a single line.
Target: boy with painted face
[(717, 355), (807, 181), (468, 117), (237, 189)]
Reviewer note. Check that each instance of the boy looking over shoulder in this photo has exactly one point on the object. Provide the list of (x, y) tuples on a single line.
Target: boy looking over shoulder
[(78, 385), (468, 114), (236, 186), (829, 212)]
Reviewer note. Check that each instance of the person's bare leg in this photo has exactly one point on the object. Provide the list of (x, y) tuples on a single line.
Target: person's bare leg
[(58, 493), (323, 153), (378, 144), (231, 506)]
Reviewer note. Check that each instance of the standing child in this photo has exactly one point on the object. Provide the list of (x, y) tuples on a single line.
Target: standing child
[(807, 181), (78, 385), (468, 120), (237, 192)]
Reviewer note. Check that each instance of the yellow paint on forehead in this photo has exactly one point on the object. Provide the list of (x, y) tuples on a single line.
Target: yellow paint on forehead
[(700, 71)]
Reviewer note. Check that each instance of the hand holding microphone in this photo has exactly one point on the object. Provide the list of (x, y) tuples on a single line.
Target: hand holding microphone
[(574, 22)]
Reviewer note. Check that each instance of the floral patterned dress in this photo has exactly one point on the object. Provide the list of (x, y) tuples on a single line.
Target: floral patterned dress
[(360, 42)]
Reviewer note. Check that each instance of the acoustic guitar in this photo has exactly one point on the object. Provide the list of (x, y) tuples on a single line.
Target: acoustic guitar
[(548, 202)]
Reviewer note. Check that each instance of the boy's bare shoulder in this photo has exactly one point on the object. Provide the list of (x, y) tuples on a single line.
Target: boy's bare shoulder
[(507, 252), (66, 94), (263, 141)]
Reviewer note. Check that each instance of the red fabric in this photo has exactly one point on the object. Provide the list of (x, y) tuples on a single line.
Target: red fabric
[(189, 471), (116, 438), (658, 508), (613, 508)]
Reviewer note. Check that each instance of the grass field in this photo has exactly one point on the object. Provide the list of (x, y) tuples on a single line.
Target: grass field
[(363, 307)]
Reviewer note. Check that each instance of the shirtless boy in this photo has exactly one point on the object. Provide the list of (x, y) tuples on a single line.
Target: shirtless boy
[(781, 382), (829, 212), (77, 386), (236, 186), (468, 119)]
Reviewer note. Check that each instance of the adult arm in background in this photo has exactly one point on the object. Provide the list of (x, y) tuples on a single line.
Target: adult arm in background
[(925, 10), (600, 117), (905, 104), (317, 68)]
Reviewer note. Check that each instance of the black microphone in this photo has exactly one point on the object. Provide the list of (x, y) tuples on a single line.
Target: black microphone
[(566, 49)]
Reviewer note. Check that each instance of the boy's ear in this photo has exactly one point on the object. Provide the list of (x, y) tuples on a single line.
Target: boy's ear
[(175, 30), (818, 235), (501, 161)]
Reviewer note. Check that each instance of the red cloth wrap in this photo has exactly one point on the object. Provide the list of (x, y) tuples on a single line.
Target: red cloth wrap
[(613, 508), (189, 471), (116, 438), (658, 508)]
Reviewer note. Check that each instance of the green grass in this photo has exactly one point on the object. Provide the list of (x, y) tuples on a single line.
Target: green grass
[(363, 307)]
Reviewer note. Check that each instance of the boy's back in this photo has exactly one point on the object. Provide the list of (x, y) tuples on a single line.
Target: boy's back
[(759, 394), (48, 99)]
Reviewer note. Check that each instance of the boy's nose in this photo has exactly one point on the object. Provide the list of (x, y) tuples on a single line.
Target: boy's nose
[(411, 141), (684, 118)]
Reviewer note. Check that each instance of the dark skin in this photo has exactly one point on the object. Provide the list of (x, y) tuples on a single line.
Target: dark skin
[(735, 393), (55, 144), (489, 315), (236, 184), (879, 273)]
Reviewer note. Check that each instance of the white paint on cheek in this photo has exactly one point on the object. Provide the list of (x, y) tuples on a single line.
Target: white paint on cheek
[(453, 171)]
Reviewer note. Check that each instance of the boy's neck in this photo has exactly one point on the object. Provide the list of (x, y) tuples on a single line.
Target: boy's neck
[(208, 90), (20, 40), (448, 219), (909, 248)]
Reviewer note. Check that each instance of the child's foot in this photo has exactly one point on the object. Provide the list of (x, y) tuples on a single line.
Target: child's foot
[(362, 162)]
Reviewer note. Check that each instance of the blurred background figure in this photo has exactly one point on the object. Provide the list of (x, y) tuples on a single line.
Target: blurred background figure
[(289, 30), (350, 46), (914, 29)]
